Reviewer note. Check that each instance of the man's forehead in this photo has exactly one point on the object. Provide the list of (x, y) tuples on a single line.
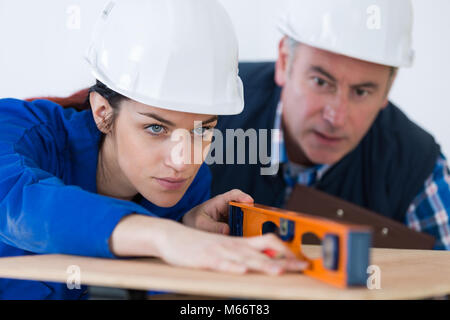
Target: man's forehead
[(339, 66)]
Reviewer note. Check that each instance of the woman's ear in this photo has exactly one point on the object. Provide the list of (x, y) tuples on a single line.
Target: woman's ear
[(101, 111)]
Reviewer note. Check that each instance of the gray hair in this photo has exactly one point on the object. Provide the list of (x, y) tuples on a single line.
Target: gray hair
[(292, 45)]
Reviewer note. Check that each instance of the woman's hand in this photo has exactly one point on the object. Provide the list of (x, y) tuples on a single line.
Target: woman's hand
[(143, 236), (197, 249), (212, 215)]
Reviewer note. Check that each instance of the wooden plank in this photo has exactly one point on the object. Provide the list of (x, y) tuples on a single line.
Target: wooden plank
[(405, 274)]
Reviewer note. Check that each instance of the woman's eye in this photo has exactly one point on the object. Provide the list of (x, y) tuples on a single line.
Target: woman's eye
[(155, 129), (201, 131)]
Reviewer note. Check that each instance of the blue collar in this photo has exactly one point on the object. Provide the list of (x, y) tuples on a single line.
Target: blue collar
[(82, 149)]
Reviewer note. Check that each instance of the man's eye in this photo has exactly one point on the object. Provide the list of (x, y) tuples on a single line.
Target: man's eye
[(155, 129), (319, 81), (361, 92)]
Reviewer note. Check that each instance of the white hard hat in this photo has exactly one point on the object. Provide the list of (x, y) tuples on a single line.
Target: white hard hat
[(179, 55), (378, 31)]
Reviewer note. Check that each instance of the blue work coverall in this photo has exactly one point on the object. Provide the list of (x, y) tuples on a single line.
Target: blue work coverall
[(48, 193)]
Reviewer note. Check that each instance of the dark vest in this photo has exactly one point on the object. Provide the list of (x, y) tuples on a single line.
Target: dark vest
[(383, 173)]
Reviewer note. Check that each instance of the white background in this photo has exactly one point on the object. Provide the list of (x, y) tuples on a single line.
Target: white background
[(41, 52)]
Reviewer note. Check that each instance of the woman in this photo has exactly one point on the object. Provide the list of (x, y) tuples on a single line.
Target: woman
[(97, 182)]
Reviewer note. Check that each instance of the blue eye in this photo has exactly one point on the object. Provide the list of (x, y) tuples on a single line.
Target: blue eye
[(201, 131), (155, 129)]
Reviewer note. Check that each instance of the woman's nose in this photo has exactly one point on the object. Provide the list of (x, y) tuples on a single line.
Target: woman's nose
[(181, 152), (178, 157)]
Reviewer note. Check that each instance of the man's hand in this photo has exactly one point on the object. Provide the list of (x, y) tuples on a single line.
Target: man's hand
[(212, 215)]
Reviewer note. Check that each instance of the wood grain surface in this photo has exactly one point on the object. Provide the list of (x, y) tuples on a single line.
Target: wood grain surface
[(405, 274)]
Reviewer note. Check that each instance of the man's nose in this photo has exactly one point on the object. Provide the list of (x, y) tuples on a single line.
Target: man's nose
[(335, 111)]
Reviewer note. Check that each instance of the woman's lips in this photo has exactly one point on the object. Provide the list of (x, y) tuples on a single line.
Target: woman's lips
[(171, 183)]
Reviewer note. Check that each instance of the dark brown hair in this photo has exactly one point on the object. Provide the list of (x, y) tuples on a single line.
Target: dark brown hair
[(80, 99)]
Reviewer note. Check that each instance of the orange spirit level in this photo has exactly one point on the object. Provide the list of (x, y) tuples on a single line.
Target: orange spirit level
[(345, 247)]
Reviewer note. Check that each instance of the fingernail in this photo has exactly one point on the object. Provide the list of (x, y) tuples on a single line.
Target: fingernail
[(242, 270), (273, 254), (276, 270), (301, 264)]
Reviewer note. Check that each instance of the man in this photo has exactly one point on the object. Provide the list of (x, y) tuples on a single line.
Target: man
[(327, 95)]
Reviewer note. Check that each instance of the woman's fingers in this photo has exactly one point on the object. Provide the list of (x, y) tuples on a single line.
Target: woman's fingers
[(271, 241), (247, 253), (252, 259), (206, 223), (193, 248), (243, 255), (296, 265), (230, 267), (217, 207), (282, 256), (236, 195), (275, 266)]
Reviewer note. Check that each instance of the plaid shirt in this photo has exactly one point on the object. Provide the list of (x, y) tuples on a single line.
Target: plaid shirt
[(428, 212)]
